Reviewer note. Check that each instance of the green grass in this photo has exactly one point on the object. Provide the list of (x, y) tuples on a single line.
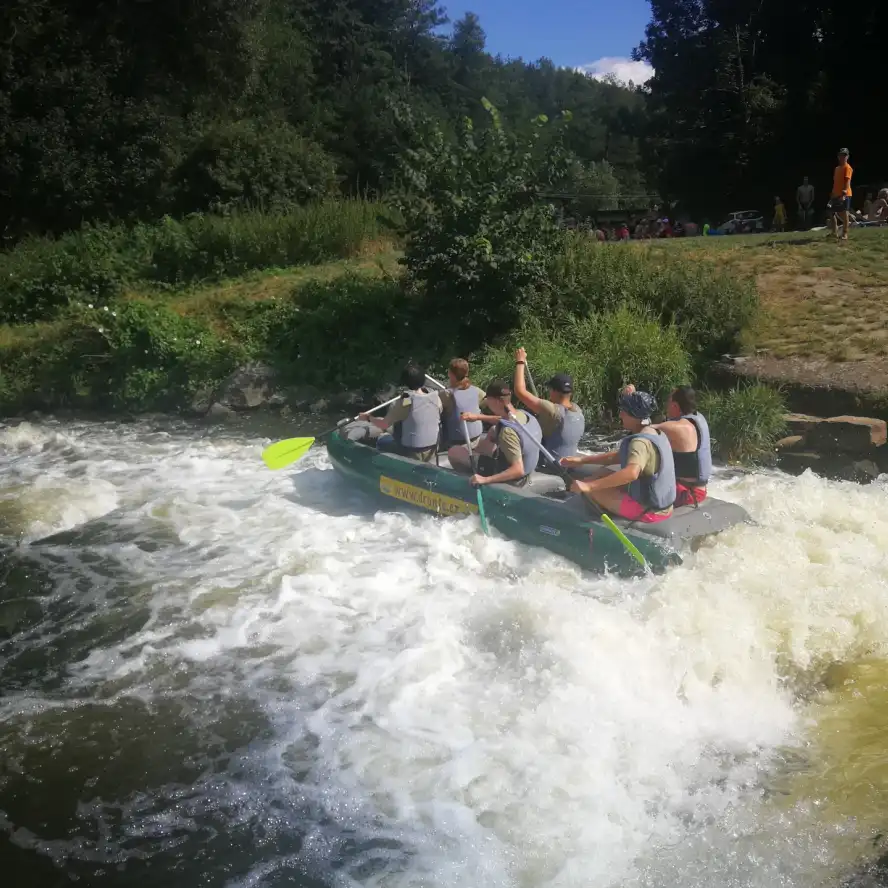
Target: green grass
[(820, 299)]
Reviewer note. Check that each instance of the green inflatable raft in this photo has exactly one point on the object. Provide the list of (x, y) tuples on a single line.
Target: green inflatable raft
[(542, 513)]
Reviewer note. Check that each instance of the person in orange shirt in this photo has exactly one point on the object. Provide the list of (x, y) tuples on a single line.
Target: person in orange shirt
[(840, 199)]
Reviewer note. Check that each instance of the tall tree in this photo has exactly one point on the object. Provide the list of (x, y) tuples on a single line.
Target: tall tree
[(736, 117)]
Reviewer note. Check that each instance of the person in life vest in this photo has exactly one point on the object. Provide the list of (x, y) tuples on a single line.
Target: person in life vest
[(415, 419), (510, 450), (643, 489), (460, 397), (561, 420), (688, 433)]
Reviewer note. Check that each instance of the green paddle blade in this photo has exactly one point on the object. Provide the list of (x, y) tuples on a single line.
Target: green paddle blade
[(627, 545), (481, 514), (283, 453)]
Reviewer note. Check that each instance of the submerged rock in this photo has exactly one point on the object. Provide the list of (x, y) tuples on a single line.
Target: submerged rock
[(220, 413)]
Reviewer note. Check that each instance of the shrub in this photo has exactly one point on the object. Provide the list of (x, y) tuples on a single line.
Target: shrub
[(601, 352), (709, 306), (157, 359), (41, 276), (253, 163), (216, 246), (129, 355), (479, 238), (746, 422), (351, 332)]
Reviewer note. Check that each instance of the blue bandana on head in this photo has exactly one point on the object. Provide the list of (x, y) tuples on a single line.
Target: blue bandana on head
[(639, 405)]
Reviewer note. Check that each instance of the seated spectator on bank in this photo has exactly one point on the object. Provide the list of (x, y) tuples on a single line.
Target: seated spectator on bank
[(868, 205), (878, 210)]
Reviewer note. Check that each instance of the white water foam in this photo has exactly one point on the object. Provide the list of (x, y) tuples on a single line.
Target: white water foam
[(512, 721)]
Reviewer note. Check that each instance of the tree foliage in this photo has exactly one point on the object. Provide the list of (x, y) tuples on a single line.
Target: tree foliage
[(480, 239), (749, 97), (133, 110)]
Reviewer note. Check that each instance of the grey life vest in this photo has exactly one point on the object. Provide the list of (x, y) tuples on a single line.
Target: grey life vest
[(566, 438), (696, 465), (466, 400), (658, 491), (529, 434), (420, 430)]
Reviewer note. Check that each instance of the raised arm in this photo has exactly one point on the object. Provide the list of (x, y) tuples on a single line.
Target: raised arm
[(518, 384)]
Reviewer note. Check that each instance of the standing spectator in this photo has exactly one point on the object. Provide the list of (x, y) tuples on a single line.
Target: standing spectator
[(868, 205), (805, 203), (779, 223), (840, 199)]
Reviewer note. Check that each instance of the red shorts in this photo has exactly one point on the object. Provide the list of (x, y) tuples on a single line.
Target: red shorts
[(687, 496), (632, 510)]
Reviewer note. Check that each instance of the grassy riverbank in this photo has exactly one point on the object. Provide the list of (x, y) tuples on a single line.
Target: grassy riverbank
[(822, 305), (119, 320)]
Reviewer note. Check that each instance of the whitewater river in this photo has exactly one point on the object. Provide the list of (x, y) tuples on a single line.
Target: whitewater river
[(217, 675)]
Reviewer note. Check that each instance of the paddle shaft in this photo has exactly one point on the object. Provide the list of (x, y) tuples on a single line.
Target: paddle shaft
[(606, 519), (343, 422), (473, 458), (465, 427), (529, 375)]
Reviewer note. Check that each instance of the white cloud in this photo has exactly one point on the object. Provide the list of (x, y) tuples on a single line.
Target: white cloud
[(619, 68)]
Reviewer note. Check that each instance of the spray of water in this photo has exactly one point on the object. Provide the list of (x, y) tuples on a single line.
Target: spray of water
[(367, 697)]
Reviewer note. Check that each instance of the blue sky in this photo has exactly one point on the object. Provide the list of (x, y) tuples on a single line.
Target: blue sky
[(598, 35)]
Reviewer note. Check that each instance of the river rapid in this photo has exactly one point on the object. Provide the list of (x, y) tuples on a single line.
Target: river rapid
[(217, 675)]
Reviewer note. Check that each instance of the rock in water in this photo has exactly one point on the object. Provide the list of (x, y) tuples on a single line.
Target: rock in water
[(248, 387), (220, 413)]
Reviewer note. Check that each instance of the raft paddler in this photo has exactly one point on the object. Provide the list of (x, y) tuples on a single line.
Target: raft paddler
[(643, 488), (414, 419), (460, 397), (688, 434), (505, 456), (561, 421)]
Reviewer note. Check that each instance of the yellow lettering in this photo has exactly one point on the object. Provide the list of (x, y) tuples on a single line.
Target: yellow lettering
[(425, 499)]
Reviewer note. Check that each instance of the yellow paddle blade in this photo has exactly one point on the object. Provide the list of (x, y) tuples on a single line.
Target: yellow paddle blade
[(627, 544), (281, 454)]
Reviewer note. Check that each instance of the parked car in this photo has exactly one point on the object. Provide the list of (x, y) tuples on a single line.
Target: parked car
[(743, 222)]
